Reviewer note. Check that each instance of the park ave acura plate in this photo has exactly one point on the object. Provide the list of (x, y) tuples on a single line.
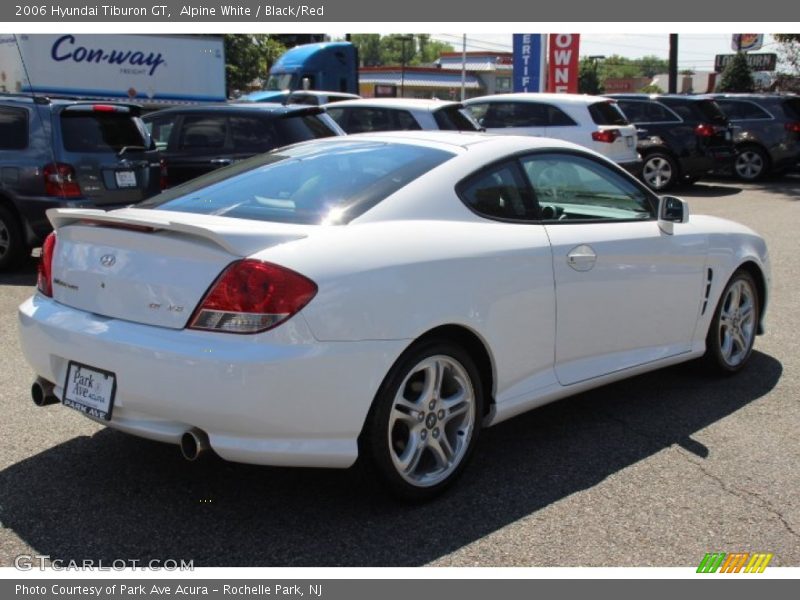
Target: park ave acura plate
[(90, 390)]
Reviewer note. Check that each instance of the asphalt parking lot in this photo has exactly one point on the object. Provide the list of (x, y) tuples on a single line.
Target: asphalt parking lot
[(652, 471)]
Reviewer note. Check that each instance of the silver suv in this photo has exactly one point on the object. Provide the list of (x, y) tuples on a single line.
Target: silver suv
[(66, 153)]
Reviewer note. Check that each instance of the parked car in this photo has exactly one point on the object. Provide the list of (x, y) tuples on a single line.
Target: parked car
[(767, 132), (65, 153), (194, 140), (383, 296), (593, 122), (399, 114), (309, 97), (680, 138)]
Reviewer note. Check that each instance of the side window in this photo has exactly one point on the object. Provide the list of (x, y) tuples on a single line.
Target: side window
[(569, 187), (160, 129), (635, 111), (404, 120), (250, 134), (338, 115), (658, 113), (748, 110), (498, 193), (13, 129), (202, 131), (368, 119), (683, 110), (496, 115), (558, 118)]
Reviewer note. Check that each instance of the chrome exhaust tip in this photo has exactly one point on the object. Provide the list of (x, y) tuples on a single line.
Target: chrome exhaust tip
[(42, 392), (194, 443)]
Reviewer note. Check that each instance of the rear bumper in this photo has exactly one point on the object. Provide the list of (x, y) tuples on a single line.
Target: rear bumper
[(278, 398)]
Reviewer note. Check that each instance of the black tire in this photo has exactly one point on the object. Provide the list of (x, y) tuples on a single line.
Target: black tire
[(733, 328), (12, 244), (660, 171), (390, 440), (751, 163)]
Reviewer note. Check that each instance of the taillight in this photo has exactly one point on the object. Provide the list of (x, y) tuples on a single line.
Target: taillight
[(608, 136), (60, 180), (44, 279), (793, 126), (104, 108), (705, 130), (252, 296), (163, 179)]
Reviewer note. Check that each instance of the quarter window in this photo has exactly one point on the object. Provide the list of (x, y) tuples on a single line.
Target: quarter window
[(499, 192), (575, 188), (13, 129)]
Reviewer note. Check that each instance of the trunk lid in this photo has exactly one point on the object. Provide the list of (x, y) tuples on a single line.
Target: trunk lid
[(150, 267)]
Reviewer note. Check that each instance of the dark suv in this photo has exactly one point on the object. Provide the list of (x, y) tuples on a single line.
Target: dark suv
[(64, 153), (767, 132), (198, 139), (680, 138)]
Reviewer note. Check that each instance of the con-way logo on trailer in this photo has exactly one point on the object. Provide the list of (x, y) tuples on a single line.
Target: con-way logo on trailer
[(65, 48), (564, 62)]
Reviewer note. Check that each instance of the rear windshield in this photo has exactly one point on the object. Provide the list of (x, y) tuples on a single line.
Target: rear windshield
[(792, 107), (455, 118), (326, 183), (300, 128), (101, 131), (607, 113)]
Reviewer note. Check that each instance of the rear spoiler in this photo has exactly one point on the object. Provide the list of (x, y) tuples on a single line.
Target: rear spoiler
[(238, 238), (115, 107)]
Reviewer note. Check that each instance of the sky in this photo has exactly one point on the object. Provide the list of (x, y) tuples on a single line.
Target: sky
[(695, 51)]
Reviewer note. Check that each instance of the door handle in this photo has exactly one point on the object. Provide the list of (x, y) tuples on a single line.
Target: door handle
[(221, 161), (582, 258)]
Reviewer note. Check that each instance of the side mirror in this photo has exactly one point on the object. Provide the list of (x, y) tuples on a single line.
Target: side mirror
[(671, 210)]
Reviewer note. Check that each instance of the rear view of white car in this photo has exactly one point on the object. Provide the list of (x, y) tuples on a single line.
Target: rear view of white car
[(590, 121)]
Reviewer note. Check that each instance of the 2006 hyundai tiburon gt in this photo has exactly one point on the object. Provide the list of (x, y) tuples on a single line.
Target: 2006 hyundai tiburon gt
[(383, 296)]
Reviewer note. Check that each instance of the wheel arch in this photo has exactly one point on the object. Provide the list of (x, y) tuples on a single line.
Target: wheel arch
[(758, 276)]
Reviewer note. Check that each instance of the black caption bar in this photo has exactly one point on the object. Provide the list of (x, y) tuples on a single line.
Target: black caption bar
[(469, 11)]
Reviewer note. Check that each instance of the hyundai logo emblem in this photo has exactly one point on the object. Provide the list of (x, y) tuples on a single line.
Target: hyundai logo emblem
[(108, 260)]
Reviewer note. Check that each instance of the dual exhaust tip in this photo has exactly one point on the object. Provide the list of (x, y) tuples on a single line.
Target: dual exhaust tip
[(194, 442)]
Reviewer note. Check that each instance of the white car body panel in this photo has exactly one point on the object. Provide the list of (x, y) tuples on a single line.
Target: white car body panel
[(419, 260)]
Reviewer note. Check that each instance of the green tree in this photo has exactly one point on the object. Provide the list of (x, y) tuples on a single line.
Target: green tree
[(737, 76), (247, 57), (369, 48), (588, 80), (375, 50)]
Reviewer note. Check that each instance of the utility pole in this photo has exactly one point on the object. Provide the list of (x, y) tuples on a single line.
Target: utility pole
[(673, 63), (403, 39), (464, 68)]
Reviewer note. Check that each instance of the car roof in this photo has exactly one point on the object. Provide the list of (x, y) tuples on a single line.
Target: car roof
[(462, 140), (584, 99), (402, 103), (642, 96), (241, 107)]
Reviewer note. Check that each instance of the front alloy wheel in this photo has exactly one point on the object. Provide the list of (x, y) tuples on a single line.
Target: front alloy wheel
[(733, 328), (426, 419)]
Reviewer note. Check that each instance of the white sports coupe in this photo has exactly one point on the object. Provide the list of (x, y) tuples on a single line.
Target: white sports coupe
[(382, 296)]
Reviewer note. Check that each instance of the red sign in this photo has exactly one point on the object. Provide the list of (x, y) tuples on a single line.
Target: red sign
[(563, 66)]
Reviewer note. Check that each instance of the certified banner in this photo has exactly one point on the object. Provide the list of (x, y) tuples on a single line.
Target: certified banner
[(563, 68), (529, 62)]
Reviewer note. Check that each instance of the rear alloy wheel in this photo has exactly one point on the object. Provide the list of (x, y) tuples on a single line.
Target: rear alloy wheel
[(751, 163), (659, 171), (733, 328), (426, 419), (11, 243)]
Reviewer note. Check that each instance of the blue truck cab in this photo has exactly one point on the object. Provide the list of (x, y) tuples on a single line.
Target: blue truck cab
[(330, 66)]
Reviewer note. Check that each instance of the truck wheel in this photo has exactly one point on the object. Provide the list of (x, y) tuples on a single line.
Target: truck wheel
[(12, 246)]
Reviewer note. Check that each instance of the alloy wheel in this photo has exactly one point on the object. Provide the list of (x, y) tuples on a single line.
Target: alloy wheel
[(737, 322), (657, 172)]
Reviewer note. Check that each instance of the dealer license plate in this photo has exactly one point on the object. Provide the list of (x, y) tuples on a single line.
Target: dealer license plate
[(90, 390), (125, 178)]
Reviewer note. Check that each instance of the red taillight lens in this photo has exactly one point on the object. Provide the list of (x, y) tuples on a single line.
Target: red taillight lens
[(793, 126), (44, 279), (60, 180), (163, 175), (104, 108), (705, 130), (609, 136), (251, 296)]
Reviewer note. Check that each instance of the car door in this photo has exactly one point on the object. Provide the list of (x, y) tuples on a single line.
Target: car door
[(197, 147), (627, 293)]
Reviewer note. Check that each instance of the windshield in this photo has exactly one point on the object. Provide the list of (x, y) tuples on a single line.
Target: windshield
[(323, 183), (279, 81)]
